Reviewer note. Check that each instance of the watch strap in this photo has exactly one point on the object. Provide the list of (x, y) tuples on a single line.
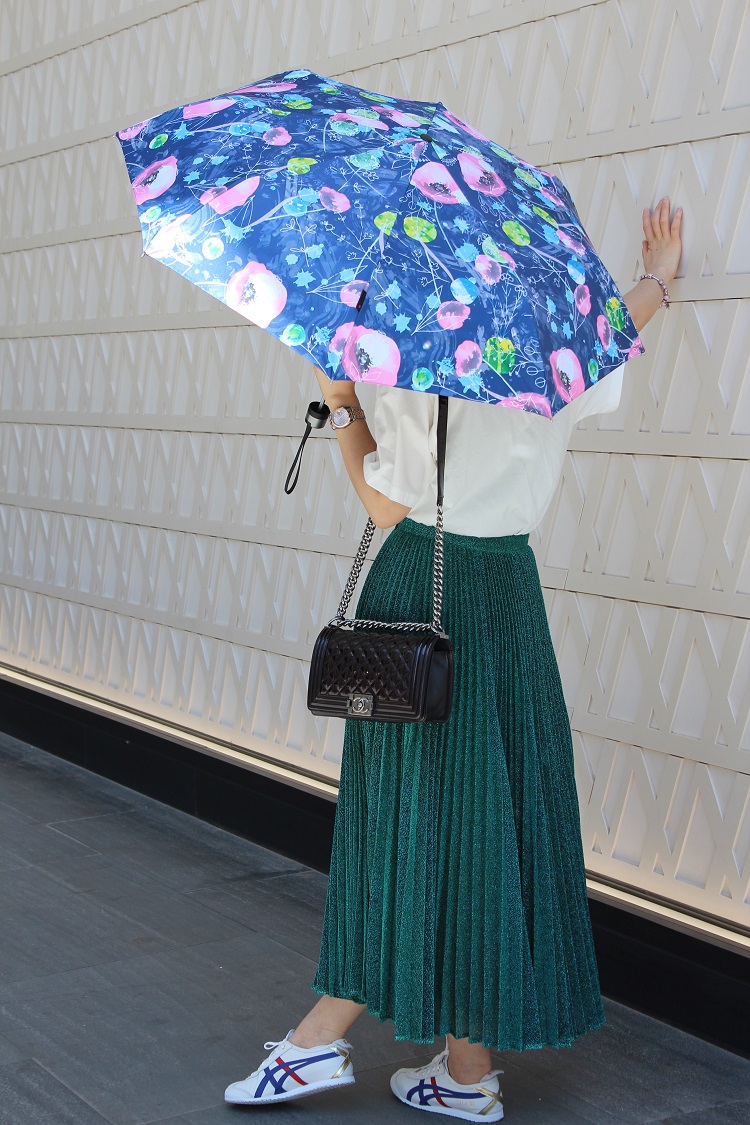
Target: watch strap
[(354, 413)]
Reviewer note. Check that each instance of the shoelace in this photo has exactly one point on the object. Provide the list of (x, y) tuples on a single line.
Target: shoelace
[(436, 1064), (271, 1045), (441, 1063)]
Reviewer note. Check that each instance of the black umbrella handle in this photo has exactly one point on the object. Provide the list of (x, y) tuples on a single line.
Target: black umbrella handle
[(317, 416)]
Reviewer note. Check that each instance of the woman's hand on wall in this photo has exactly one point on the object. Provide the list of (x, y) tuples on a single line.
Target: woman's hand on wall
[(660, 250), (662, 246)]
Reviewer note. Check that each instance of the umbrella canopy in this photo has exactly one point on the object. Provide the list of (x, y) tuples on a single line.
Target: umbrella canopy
[(385, 240)]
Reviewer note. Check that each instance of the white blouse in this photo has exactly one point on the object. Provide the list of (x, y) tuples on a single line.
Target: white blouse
[(502, 466)]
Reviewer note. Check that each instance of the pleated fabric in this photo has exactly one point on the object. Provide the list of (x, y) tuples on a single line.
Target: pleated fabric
[(457, 899)]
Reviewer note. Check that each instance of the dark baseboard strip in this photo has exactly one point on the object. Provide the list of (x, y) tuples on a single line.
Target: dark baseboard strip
[(689, 983), (288, 820)]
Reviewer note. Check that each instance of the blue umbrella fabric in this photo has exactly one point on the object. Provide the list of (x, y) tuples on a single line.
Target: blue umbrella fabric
[(385, 240)]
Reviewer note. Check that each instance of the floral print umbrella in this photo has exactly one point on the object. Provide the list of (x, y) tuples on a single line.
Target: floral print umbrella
[(385, 240)]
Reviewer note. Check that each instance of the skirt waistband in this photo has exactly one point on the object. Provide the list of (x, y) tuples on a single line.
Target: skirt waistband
[(491, 543)]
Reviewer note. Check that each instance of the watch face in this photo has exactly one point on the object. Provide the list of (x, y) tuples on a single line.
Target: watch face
[(340, 416)]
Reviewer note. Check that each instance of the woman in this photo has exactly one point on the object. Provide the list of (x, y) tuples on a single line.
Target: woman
[(456, 900)]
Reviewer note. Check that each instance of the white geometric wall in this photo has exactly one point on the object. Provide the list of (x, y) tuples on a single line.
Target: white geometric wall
[(149, 556)]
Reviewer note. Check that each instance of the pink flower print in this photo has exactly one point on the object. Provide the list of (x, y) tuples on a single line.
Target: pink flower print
[(452, 314), (435, 181), (155, 180), (267, 88), (468, 357), (463, 125), (203, 109), (277, 136), (636, 348), (567, 374), (551, 197), (582, 298), (488, 269), (479, 175), (604, 331), (570, 242), (530, 402), (340, 336), (334, 201), (133, 131), (256, 293), (371, 357), (352, 291), (223, 199)]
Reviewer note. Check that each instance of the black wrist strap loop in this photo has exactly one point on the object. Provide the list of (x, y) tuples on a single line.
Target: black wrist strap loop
[(317, 416)]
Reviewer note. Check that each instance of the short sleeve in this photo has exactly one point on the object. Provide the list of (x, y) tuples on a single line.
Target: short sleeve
[(403, 425)]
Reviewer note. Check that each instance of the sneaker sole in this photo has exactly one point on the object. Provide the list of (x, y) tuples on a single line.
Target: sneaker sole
[(311, 1088), (450, 1112)]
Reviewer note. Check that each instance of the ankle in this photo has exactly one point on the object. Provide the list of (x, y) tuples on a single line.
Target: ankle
[(467, 1073), (311, 1037)]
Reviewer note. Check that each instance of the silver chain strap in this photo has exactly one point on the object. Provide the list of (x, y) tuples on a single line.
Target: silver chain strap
[(437, 586), (437, 561)]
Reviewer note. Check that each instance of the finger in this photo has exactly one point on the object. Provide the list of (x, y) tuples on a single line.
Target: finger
[(676, 221), (664, 216), (648, 228)]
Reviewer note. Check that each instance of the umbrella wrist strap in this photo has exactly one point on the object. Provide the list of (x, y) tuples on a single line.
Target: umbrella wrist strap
[(437, 558)]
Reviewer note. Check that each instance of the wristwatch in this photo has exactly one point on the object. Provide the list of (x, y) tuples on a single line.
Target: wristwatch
[(344, 415)]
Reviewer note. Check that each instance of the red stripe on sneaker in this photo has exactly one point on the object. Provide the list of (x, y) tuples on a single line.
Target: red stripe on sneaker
[(292, 1073), (435, 1088)]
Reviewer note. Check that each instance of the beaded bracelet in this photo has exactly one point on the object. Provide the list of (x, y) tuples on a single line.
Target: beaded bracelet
[(665, 299)]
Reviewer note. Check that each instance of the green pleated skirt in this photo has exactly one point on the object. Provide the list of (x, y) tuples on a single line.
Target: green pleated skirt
[(456, 900)]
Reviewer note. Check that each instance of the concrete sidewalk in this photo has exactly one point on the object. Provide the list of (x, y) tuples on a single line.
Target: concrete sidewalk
[(145, 957)]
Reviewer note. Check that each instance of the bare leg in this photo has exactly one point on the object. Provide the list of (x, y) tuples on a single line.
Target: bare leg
[(330, 1019), (467, 1062)]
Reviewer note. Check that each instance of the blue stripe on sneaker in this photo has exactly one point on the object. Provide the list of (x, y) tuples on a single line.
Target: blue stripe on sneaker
[(428, 1092), (277, 1074)]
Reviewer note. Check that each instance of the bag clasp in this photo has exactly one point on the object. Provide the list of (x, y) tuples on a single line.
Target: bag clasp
[(360, 705)]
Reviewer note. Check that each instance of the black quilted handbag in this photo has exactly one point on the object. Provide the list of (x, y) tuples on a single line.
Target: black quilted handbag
[(386, 671)]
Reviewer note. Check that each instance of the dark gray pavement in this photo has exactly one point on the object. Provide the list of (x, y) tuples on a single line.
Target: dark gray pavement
[(145, 957)]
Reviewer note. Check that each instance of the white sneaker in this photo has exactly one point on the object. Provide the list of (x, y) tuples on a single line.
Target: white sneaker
[(292, 1072), (431, 1087)]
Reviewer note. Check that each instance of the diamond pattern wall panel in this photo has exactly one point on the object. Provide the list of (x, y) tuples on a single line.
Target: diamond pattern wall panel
[(610, 69), (179, 47), (29, 30), (256, 594), (251, 698), (655, 676), (234, 379), (591, 79), (689, 394), (668, 530), (669, 821), (227, 484), (148, 553)]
